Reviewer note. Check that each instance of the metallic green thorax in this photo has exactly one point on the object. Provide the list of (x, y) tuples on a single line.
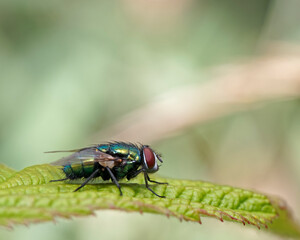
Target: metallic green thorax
[(124, 150), (129, 152)]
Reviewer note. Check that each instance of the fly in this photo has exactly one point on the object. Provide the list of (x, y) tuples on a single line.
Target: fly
[(111, 161)]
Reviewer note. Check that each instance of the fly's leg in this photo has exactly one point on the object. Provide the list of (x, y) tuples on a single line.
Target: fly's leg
[(155, 181), (147, 185), (88, 179), (58, 180), (113, 178), (133, 175)]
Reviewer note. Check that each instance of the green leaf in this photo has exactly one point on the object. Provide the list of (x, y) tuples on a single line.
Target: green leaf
[(5, 172), (28, 196)]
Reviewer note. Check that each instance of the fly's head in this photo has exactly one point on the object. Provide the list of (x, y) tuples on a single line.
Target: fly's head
[(150, 159)]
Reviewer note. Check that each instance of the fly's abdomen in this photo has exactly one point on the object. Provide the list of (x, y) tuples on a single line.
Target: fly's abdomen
[(80, 170)]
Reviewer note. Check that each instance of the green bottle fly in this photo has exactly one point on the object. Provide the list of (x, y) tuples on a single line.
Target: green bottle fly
[(111, 161)]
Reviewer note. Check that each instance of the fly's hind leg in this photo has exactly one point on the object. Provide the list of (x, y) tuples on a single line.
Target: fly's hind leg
[(113, 178), (88, 179), (58, 180)]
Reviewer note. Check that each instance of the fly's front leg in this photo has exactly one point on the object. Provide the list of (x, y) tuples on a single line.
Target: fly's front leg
[(147, 185), (134, 174), (155, 181)]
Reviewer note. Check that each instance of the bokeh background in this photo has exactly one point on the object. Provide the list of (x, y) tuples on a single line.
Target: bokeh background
[(212, 85)]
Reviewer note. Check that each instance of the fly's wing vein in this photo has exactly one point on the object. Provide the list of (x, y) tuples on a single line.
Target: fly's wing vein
[(91, 154)]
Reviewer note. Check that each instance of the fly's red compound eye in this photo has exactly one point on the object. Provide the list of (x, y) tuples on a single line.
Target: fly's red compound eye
[(149, 157)]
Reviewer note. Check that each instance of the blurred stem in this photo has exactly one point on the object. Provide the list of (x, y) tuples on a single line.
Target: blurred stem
[(231, 88)]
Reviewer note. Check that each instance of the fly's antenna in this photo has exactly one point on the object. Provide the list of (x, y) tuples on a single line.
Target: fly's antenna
[(159, 158)]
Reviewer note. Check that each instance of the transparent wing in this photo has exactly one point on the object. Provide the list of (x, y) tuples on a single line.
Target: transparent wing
[(92, 146), (87, 154)]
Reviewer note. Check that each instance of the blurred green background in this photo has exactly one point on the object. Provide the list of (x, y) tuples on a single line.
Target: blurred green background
[(70, 69)]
